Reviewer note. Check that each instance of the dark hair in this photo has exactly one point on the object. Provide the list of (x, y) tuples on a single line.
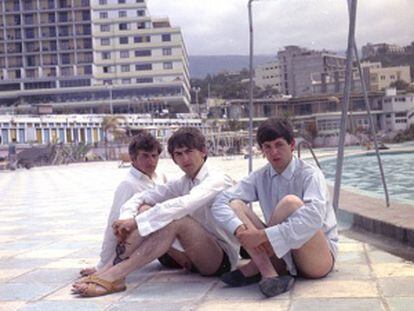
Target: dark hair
[(274, 128), (190, 137), (143, 141)]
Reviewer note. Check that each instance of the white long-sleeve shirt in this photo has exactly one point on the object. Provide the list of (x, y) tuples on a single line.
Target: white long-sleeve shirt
[(268, 187), (184, 197), (134, 182)]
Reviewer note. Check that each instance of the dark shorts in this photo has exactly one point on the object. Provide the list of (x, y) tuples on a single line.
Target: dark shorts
[(225, 266)]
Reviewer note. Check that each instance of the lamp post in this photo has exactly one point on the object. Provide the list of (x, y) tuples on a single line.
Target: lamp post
[(197, 90), (249, 6)]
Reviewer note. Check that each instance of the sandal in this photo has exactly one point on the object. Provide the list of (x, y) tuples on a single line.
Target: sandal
[(110, 287)]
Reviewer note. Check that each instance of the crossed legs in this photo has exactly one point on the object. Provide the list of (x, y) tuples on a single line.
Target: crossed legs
[(313, 259), (199, 246)]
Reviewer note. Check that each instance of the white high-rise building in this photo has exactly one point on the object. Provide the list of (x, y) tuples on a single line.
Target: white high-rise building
[(90, 56)]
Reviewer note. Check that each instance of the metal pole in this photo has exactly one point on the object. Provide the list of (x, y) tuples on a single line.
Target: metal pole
[(352, 4), (111, 109), (371, 124), (249, 5)]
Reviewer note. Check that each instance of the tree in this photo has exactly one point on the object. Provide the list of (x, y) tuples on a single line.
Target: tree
[(400, 85), (112, 127)]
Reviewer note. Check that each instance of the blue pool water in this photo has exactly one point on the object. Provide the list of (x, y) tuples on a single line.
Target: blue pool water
[(362, 172)]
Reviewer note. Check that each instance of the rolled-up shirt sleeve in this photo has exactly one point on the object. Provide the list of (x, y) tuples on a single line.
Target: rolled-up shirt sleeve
[(245, 191), (159, 193), (201, 195), (299, 227)]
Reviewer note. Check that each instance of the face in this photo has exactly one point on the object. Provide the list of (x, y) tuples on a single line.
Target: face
[(189, 160), (146, 161), (279, 153)]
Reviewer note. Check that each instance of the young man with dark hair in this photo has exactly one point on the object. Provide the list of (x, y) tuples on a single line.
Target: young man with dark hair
[(181, 209), (299, 236), (144, 151)]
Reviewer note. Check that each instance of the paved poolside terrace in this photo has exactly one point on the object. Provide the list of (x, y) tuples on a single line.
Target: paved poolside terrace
[(51, 225)]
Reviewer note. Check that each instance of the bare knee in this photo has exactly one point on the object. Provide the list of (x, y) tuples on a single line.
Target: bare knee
[(289, 204), (291, 201)]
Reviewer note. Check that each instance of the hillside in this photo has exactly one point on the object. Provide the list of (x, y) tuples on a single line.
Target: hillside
[(202, 65)]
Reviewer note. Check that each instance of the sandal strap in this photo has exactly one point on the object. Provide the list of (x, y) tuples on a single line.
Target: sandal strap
[(109, 286)]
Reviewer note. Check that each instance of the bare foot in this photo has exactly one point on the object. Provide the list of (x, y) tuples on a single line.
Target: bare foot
[(96, 286), (87, 271)]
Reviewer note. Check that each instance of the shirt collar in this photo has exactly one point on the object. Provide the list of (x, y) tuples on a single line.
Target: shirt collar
[(288, 172), (140, 175), (202, 173)]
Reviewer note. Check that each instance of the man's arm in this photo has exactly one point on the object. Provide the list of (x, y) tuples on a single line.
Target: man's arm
[(302, 224), (245, 191), (200, 196), (152, 196)]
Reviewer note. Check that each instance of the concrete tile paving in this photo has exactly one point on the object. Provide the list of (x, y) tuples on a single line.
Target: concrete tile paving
[(51, 225)]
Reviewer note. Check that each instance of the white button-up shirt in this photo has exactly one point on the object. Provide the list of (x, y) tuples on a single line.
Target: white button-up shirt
[(268, 187), (184, 197), (134, 182)]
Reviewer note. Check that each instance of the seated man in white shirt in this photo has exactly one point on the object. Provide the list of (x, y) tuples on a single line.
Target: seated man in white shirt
[(180, 210), (299, 236), (144, 151)]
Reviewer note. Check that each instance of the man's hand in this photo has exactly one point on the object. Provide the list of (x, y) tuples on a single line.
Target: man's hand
[(123, 228), (144, 207), (251, 238)]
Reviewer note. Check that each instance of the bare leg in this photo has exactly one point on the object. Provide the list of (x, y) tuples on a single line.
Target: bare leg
[(200, 247), (259, 259), (313, 259)]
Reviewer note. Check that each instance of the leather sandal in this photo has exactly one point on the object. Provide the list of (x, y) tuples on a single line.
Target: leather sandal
[(110, 287)]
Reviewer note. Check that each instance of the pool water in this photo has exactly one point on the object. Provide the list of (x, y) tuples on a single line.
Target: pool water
[(362, 172)]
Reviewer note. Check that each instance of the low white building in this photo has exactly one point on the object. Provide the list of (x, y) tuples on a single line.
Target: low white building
[(398, 111)]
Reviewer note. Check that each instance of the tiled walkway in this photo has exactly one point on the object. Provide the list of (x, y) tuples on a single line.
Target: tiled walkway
[(51, 223)]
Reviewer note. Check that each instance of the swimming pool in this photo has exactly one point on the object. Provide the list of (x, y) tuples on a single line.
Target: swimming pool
[(362, 172)]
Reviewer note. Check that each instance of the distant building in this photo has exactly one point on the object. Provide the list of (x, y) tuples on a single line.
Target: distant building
[(298, 65), (86, 55), (268, 75), (86, 129), (380, 78), (398, 111), (372, 50)]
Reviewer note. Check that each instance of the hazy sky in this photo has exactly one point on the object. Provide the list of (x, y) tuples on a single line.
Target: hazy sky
[(221, 26)]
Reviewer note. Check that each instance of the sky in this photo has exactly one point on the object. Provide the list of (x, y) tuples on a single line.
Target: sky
[(220, 27)]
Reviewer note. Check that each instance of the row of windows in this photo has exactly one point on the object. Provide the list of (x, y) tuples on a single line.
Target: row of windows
[(138, 67), (103, 2), (105, 15), (137, 53)]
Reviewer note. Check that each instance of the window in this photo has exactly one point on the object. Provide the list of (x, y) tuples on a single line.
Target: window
[(106, 55), (140, 12), (125, 68), (103, 2), (121, 1), (123, 40), (141, 25), (145, 80), (166, 51), (105, 41), (139, 1), (141, 53), (124, 54), (105, 27), (122, 13), (126, 81), (123, 26), (106, 69), (143, 67), (103, 15), (140, 39), (167, 65), (166, 37)]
